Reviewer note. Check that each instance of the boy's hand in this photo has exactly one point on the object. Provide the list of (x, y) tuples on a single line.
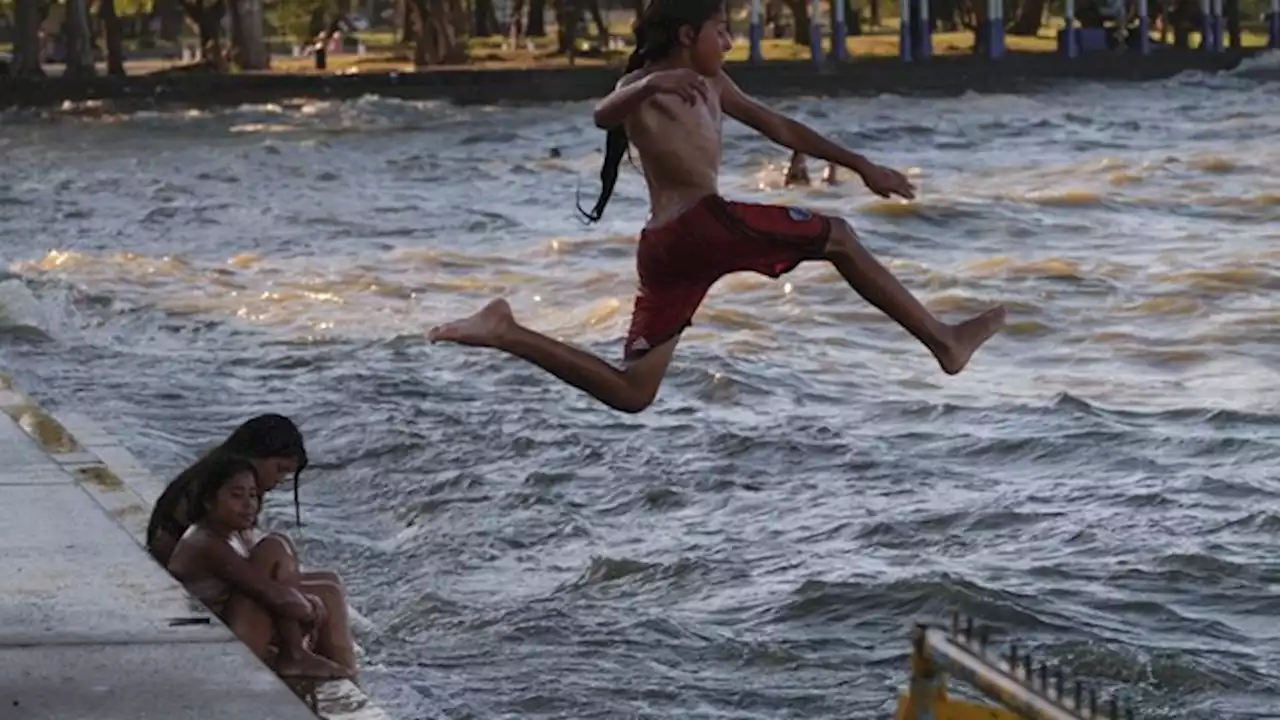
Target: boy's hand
[(683, 82), (887, 182)]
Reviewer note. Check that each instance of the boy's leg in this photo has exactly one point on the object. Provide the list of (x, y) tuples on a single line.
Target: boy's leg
[(629, 390), (773, 239), (952, 345)]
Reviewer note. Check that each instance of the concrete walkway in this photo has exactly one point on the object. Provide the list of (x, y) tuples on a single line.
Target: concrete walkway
[(90, 625)]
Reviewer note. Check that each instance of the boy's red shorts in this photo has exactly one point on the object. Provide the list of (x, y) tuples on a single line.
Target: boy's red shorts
[(680, 261)]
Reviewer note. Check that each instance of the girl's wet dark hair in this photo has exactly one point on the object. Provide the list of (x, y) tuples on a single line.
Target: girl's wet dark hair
[(657, 36), (261, 437), (218, 471), (271, 436)]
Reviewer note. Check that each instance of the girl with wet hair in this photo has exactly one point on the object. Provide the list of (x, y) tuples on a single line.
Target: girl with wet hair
[(255, 591), (273, 445), (671, 105), (271, 442)]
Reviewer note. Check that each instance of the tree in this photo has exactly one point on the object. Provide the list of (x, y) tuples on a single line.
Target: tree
[(250, 45), (800, 16), (537, 25), (113, 35), (26, 39), (435, 32), (485, 21), (207, 16), (79, 40), (1029, 19), (169, 13)]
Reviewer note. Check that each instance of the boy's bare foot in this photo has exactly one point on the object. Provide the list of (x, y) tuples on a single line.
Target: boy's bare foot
[(484, 329), (309, 665), (967, 337)]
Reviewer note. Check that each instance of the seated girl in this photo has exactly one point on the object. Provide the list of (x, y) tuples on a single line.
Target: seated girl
[(255, 592), (273, 444)]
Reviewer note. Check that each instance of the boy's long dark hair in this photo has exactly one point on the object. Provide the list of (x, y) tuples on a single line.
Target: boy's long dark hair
[(657, 35)]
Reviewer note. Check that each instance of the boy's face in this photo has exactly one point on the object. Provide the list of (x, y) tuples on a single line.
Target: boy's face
[(708, 47)]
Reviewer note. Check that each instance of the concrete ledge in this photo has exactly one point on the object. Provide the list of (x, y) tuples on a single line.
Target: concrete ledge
[(945, 75), (90, 625)]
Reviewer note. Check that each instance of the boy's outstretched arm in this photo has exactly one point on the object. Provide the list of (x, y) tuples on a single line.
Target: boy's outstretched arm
[(804, 139)]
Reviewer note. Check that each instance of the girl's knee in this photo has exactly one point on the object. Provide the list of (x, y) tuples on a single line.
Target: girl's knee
[(273, 549), (283, 540)]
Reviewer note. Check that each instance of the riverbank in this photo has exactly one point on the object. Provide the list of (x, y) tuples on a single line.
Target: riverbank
[(87, 610), (942, 75)]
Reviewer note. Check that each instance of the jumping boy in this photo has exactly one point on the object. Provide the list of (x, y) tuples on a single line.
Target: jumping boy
[(670, 104)]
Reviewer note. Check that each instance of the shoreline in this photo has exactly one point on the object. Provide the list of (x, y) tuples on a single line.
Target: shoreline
[(940, 75)]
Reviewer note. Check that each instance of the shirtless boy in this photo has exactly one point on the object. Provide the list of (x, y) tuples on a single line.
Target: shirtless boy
[(670, 104)]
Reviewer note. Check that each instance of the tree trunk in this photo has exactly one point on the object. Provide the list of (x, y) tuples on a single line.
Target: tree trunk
[(515, 23), (405, 11), (208, 20), (568, 15), (421, 46), (26, 40), (1030, 18), (235, 33), (435, 41), (246, 35), (1231, 8), (800, 15), (537, 25), (113, 37), (169, 12), (874, 20), (597, 17), (79, 40), (485, 22)]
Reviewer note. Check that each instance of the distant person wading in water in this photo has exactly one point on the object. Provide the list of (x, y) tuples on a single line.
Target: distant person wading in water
[(670, 104)]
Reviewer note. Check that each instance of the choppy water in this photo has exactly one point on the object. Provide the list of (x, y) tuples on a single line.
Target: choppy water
[(1100, 482)]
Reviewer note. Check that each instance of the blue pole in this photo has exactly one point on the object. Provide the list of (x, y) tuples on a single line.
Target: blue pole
[(839, 48), (995, 37), (1070, 45), (1273, 22), (815, 32), (755, 33), (1206, 27), (923, 32), (1144, 28)]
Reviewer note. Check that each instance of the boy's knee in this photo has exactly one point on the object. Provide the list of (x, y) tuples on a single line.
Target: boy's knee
[(639, 396), (843, 237)]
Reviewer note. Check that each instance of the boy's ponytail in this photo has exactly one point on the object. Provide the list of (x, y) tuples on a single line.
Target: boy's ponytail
[(616, 142)]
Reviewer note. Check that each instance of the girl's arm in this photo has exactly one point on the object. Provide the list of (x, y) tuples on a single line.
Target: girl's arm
[(227, 565)]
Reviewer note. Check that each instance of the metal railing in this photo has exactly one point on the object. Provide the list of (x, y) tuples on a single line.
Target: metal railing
[(1022, 690)]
